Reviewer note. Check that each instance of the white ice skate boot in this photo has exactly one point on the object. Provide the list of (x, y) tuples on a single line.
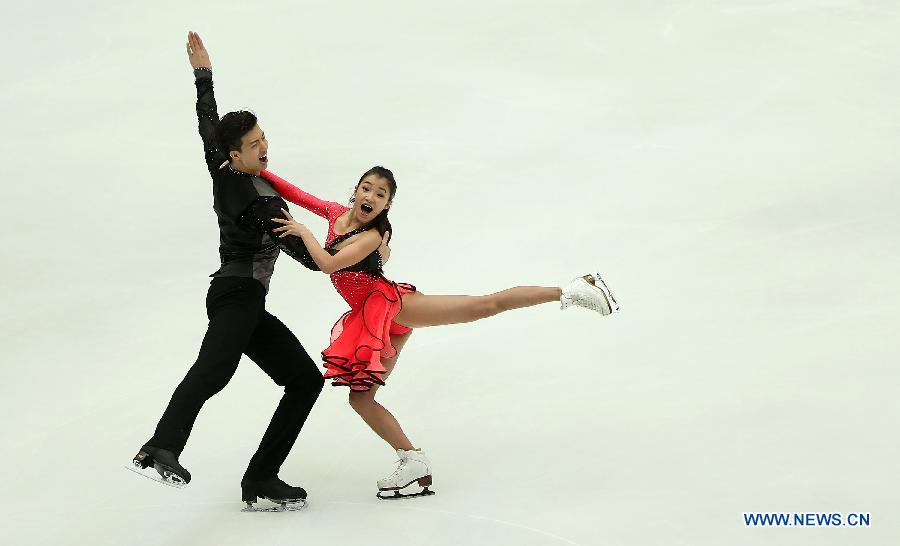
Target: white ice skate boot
[(414, 468), (589, 292)]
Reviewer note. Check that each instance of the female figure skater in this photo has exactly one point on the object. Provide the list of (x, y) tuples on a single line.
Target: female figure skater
[(367, 339)]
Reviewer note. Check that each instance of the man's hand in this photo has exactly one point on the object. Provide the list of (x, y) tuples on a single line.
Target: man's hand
[(197, 53), (290, 226), (384, 249)]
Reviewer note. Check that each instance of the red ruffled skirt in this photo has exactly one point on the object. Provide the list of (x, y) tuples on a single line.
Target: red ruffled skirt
[(361, 338)]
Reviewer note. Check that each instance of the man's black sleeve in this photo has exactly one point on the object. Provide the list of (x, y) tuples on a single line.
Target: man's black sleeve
[(259, 216), (207, 119)]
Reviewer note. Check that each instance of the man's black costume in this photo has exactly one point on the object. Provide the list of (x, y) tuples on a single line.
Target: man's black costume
[(238, 321)]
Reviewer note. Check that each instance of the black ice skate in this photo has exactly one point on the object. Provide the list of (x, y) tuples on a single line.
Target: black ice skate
[(286, 498), (160, 465)]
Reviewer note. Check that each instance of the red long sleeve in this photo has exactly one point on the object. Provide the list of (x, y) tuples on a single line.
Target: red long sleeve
[(297, 196)]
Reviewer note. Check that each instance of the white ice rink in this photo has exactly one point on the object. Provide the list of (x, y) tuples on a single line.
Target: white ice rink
[(730, 166)]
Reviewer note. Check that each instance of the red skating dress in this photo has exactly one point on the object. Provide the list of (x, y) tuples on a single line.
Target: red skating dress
[(361, 338)]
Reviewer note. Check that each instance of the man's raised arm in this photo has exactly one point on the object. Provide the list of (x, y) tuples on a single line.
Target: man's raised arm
[(207, 117)]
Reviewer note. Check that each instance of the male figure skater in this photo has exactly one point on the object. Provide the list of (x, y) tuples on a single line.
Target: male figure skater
[(236, 151)]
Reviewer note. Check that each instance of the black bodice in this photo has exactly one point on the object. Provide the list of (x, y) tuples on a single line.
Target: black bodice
[(370, 264)]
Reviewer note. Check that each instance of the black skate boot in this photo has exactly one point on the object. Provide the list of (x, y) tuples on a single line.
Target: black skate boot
[(286, 497), (160, 465)]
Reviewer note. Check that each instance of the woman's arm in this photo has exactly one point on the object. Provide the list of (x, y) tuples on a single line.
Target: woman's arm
[(384, 249), (361, 247), (259, 215), (297, 196)]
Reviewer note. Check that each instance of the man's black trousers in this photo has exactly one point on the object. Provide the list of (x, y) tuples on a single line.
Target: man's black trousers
[(239, 324)]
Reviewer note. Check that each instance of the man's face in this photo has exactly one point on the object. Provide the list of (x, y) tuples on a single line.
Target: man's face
[(252, 157)]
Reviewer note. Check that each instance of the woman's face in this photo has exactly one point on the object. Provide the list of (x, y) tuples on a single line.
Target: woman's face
[(373, 195)]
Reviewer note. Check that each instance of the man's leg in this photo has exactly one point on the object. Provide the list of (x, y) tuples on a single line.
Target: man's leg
[(279, 353), (234, 306)]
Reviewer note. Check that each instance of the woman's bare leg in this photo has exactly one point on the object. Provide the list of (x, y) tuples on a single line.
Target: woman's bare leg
[(420, 310), (374, 414)]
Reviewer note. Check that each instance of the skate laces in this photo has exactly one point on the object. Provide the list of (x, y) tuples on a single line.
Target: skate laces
[(399, 468), (590, 292)]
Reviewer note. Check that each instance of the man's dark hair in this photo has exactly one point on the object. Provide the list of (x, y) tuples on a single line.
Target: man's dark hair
[(232, 128)]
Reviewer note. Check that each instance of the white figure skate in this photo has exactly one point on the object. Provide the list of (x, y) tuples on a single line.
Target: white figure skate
[(414, 468), (591, 293)]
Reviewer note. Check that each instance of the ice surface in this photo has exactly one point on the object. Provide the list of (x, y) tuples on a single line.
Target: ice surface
[(730, 167)]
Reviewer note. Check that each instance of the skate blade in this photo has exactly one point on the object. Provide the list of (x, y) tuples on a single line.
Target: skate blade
[(151, 474), (607, 293), (280, 506), (397, 495)]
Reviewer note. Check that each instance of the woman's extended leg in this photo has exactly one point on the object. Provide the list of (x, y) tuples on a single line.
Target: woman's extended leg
[(374, 414), (420, 310)]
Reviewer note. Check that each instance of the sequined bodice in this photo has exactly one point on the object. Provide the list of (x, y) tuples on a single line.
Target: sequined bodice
[(355, 282), (353, 286)]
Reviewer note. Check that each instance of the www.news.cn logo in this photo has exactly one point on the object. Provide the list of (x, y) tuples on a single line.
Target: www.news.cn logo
[(806, 519)]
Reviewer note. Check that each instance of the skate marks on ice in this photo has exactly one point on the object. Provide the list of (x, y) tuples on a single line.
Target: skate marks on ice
[(163, 476), (434, 512), (788, 7), (277, 506)]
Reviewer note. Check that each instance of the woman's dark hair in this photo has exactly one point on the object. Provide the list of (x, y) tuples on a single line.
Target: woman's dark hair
[(232, 128), (381, 222)]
